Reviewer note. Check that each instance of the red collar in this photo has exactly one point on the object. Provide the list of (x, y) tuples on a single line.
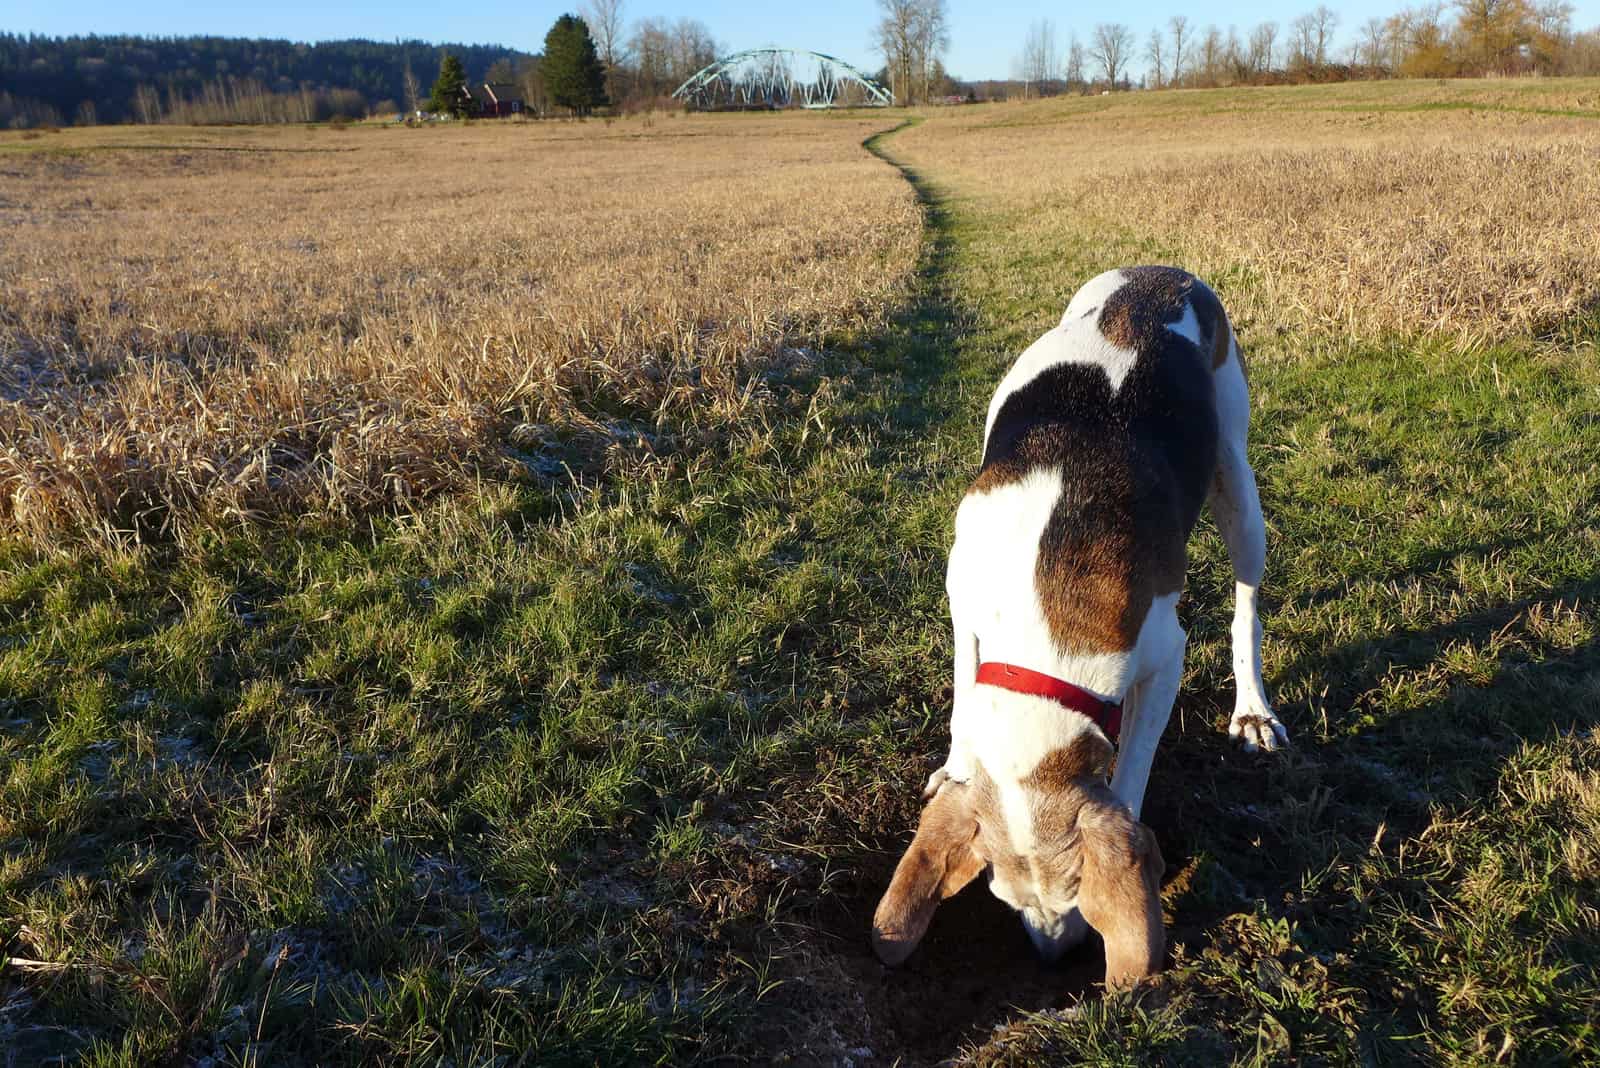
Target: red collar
[(1107, 715)]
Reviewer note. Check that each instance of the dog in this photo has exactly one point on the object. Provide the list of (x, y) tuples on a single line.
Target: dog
[(1102, 442)]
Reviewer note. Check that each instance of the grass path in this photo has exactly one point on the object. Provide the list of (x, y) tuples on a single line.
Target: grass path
[(617, 776)]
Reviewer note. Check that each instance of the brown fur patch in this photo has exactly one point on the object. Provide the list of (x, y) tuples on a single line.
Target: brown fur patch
[(1088, 756), (1114, 544), (996, 475), (1096, 599), (1136, 315)]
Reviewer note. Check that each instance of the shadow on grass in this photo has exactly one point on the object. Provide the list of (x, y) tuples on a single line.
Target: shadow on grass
[(976, 967), (1424, 565), (1339, 836)]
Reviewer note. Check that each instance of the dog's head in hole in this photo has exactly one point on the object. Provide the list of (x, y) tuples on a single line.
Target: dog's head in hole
[(1056, 845)]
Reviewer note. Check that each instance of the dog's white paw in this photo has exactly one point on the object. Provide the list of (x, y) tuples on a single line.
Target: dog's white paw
[(1258, 729), (936, 780)]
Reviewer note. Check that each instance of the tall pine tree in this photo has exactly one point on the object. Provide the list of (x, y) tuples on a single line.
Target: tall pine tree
[(447, 94), (573, 73)]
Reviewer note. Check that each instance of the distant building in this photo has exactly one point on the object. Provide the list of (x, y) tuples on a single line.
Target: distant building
[(495, 100), (492, 100)]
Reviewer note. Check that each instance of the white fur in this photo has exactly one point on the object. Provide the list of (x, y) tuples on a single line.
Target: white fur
[(1188, 325), (995, 608)]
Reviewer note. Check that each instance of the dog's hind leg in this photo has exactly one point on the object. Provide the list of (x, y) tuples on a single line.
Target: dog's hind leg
[(1236, 507)]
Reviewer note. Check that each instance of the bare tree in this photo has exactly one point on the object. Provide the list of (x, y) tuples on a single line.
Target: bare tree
[(413, 91), (1263, 43), (893, 37), (1112, 47), (1373, 45), (604, 18), (1040, 63), (912, 36), (1552, 38), (693, 47), (1234, 58), (1152, 52), (605, 21), (1180, 35), (1303, 42), (1419, 44), (666, 53), (1324, 21), (651, 47), (1210, 71), (933, 37), (1553, 20), (1075, 61)]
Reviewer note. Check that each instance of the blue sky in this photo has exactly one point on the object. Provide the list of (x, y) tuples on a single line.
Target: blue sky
[(985, 34)]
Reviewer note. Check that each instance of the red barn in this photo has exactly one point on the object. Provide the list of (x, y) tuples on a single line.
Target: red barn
[(494, 100)]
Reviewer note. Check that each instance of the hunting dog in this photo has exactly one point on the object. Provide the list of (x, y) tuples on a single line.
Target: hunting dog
[(1103, 441)]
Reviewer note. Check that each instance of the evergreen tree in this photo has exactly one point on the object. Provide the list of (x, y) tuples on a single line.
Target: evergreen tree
[(447, 95), (573, 74)]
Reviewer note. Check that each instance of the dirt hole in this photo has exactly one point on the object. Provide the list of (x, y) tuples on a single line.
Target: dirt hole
[(975, 969)]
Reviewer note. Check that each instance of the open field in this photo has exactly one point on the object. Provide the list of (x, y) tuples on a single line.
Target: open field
[(203, 325), (1352, 210), (612, 769)]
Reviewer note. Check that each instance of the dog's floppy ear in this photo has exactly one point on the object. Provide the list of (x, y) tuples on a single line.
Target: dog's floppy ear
[(1120, 894), (943, 858)]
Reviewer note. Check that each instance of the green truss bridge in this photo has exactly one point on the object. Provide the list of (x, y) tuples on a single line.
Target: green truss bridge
[(766, 78)]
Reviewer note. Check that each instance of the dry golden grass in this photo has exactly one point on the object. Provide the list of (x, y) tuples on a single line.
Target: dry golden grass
[(1360, 210), (204, 324)]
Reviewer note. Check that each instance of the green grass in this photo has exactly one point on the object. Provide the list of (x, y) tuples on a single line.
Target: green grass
[(614, 774)]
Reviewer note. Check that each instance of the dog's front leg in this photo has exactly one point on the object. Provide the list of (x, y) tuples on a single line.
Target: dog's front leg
[(958, 765), (1146, 707)]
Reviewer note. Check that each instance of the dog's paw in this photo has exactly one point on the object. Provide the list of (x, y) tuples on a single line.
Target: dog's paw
[(936, 780), (1258, 729)]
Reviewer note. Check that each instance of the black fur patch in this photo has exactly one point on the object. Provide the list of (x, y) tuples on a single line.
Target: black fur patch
[(1136, 464)]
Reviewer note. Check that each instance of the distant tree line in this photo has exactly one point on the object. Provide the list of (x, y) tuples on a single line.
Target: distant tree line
[(151, 79), (1467, 38)]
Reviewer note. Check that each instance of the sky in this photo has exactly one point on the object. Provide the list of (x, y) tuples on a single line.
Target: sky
[(985, 35)]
